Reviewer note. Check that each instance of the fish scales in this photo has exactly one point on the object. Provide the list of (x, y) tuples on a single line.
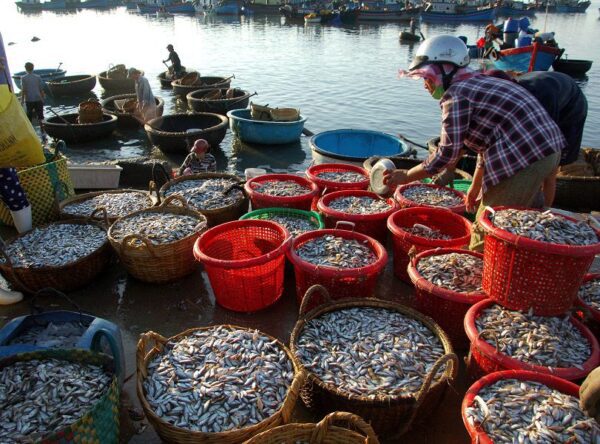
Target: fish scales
[(439, 197), (454, 271), (281, 188), (207, 194), (359, 205), (589, 292), (116, 204), (342, 176), (334, 251), (158, 228), (295, 225)]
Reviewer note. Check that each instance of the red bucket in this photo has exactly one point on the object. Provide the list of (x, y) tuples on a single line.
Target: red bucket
[(440, 219), (484, 358), (476, 432), (302, 202), (521, 273), (244, 261), (406, 203), (341, 283), (329, 186), (446, 307), (373, 225)]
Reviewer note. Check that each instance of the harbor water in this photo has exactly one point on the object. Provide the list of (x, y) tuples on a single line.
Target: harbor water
[(339, 76)]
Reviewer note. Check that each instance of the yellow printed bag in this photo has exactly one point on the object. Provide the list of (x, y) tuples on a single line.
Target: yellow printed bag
[(19, 144)]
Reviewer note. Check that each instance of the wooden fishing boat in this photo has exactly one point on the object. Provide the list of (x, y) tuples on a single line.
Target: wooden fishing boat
[(202, 102), (536, 57), (205, 82), (517, 8), (445, 11), (165, 80), (176, 132), (65, 127), (572, 67), (409, 37), (29, 5), (45, 74), (127, 120), (388, 14), (121, 85), (72, 85), (95, 4), (264, 132), (354, 146)]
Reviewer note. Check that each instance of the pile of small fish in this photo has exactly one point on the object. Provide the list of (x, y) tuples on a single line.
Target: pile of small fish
[(342, 176), (437, 197), (427, 232), (589, 293), (368, 351), (54, 334), (207, 194), (281, 188), (158, 228), (514, 411), (359, 205), (544, 227), (116, 204), (218, 379), (295, 225), (40, 397), (55, 245), (333, 251), (453, 271), (548, 341)]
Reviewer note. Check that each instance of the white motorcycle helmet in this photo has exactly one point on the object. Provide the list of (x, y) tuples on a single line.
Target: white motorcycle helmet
[(441, 49)]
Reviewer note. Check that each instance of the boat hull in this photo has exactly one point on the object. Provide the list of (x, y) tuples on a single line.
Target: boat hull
[(223, 106), (29, 6), (507, 11), (366, 15), (209, 82), (72, 85), (264, 132), (485, 15), (528, 58), (126, 120), (75, 133), (120, 85), (95, 4), (46, 75), (572, 67), (166, 82)]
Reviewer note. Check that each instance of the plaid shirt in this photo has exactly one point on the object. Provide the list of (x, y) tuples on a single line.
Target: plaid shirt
[(499, 120)]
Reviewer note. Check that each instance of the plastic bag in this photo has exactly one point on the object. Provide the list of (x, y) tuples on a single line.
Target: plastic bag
[(19, 144)]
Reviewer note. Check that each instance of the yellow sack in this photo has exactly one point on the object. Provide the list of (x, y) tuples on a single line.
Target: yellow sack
[(19, 144)]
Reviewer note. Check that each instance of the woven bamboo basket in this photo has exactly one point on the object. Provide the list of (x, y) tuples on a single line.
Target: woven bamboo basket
[(67, 277), (173, 434), (90, 112), (159, 263), (335, 428), (83, 197), (218, 215), (390, 416)]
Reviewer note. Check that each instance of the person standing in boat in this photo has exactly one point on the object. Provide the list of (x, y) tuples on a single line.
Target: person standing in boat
[(146, 103), (199, 160), (517, 142), (32, 95), (177, 70)]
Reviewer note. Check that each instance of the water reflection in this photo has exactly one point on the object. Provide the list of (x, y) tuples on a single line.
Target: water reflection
[(276, 158)]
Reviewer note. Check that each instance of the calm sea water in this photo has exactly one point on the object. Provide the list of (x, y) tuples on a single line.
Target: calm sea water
[(340, 77)]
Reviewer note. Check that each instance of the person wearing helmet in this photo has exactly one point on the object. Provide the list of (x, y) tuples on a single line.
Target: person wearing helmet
[(517, 142), (199, 160), (175, 68)]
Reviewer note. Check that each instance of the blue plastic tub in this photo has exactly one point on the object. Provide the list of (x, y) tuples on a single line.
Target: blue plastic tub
[(354, 146), (263, 132)]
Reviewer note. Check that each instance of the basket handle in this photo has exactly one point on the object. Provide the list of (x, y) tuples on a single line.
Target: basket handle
[(340, 224), (125, 245), (178, 198), (153, 188), (349, 420), (103, 212), (114, 348), (159, 168), (235, 186), (309, 295), (54, 292), (152, 339)]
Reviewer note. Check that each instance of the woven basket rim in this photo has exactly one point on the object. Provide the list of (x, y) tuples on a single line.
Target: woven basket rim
[(398, 230), (449, 373), (156, 419), (326, 210), (222, 123), (86, 196), (190, 96)]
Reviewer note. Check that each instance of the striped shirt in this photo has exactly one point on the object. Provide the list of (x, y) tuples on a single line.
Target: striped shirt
[(499, 120), (206, 165)]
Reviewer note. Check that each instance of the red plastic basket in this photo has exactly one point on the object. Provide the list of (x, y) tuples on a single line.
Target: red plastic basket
[(329, 186), (476, 432), (406, 203), (446, 307), (341, 283), (484, 358), (373, 225), (440, 219), (521, 273), (244, 261), (302, 202)]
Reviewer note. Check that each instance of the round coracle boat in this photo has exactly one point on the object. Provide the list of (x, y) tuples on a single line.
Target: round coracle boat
[(216, 100), (127, 119), (72, 85), (165, 78), (181, 88), (67, 128), (116, 84)]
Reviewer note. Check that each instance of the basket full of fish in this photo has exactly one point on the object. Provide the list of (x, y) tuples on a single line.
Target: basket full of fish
[(155, 244), (281, 190), (419, 229), (346, 347), (219, 196), (503, 339), (330, 177), (64, 255), (418, 194), (526, 407), (588, 298), (535, 259), (220, 384), (295, 221), (59, 396), (366, 210), (447, 283), (117, 203), (345, 262)]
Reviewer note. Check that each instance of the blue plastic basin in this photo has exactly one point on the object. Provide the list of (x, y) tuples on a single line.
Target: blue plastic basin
[(263, 132)]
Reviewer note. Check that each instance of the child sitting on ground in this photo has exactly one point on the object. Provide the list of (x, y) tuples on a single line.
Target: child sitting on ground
[(199, 160)]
